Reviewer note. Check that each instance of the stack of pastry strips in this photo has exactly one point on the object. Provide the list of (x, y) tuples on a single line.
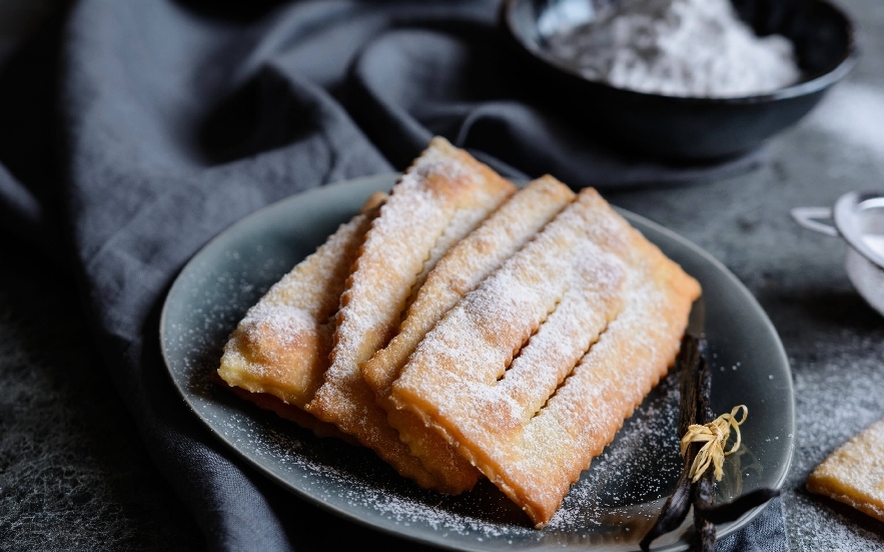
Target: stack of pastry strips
[(463, 328), (279, 351)]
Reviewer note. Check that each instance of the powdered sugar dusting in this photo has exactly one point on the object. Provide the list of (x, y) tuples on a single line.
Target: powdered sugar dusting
[(840, 364), (680, 48), (605, 508), (436, 202), (467, 264), (281, 346), (615, 492), (439, 200), (573, 269)]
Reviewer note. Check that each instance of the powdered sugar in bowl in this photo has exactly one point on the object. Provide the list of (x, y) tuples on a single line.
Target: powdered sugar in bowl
[(690, 79)]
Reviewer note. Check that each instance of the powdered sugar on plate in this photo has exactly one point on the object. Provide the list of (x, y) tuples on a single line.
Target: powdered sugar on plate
[(608, 508)]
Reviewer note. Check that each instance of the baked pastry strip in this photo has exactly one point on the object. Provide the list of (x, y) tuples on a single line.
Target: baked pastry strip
[(281, 346), (534, 428), (443, 196), (854, 472), (461, 269), (467, 263), (292, 413)]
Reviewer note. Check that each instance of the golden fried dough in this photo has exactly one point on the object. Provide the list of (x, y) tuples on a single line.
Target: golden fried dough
[(292, 413), (854, 473), (497, 377), (461, 330), (464, 266), (281, 347), (459, 271), (443, 196)]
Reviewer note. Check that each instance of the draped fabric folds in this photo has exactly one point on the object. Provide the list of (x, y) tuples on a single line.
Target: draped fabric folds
[(136, 131)]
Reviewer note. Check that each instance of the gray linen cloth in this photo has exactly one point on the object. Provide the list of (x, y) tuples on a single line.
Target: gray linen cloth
[(136, 131)]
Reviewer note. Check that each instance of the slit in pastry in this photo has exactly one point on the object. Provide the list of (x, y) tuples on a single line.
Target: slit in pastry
[(450, 381)]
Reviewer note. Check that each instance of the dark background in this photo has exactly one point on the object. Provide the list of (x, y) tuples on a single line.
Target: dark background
[(75, 476)]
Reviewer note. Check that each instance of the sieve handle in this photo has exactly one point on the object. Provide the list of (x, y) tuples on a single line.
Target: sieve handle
[(809, 217)]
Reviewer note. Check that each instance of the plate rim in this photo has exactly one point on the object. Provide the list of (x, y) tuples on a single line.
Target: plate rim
[(389, 179)]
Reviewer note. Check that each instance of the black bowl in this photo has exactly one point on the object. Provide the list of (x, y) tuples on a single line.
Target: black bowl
[(690, 127)]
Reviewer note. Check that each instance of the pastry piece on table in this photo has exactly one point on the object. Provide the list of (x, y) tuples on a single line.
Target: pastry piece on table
[(281, 347), (497, 376), (465, 265), (443, 196), (854, 473)]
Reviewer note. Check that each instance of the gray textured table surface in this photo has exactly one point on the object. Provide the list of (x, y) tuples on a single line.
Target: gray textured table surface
[(74, 475)]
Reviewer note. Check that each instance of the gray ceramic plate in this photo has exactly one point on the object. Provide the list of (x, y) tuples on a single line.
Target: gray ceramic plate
[(617, 498)]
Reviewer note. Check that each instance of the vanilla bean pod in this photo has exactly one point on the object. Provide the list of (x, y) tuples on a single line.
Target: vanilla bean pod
[(689, 361), (704, 488), (676, 508), (695, 408)]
